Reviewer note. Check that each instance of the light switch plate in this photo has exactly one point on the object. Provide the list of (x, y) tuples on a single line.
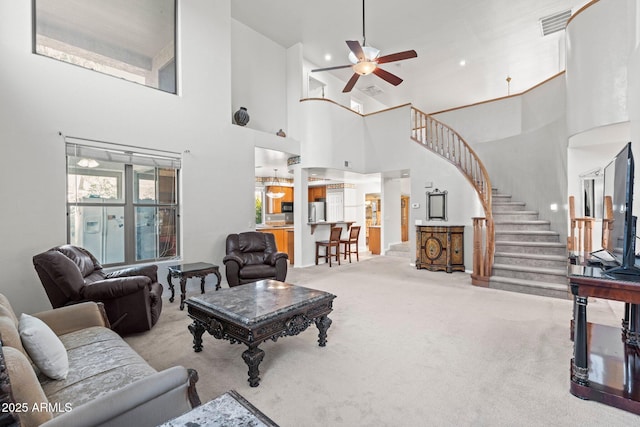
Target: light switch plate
[(415, 205)]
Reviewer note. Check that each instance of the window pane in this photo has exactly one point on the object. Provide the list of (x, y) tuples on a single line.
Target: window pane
[(133, 39), (146, 233), (100, 230), (155, 185), (97, 182), (156, 233), (144, 184), (167, 186), (167, 241)]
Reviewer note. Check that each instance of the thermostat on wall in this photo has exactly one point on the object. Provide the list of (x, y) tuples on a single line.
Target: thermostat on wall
[(415, 205)]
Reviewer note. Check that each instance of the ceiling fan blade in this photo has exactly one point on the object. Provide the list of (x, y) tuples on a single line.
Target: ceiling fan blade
[(351, 83), (387, 76), (331, 68), (399, 56), (355, 47)]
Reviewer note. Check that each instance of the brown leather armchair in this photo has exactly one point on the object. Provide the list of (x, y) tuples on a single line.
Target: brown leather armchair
[(253, 256), (132, 297)]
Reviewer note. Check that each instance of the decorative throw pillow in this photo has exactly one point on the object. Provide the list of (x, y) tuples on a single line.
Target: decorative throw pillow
[(44, 347)]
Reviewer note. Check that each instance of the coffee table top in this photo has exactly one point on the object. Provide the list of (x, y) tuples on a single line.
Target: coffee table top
[(227, 410), (189, 267), (253, 303)]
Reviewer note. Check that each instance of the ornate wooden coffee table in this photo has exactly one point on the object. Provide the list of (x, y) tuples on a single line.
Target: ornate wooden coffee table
[(187, 271), (257, 312)]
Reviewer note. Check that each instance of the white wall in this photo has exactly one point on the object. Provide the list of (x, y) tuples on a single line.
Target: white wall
[(389, 149), (522, 142), (42, 96), (258, 78), (599, 42), (331, 136), (334, 86)]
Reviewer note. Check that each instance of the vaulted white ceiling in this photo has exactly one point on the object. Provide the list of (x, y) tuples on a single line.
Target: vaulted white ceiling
[(496, 39)]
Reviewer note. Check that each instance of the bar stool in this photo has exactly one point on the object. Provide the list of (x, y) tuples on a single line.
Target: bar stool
[(354, 233), (333, 242)]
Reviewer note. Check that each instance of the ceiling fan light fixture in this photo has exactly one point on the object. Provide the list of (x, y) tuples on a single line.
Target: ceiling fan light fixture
[(364, 67)]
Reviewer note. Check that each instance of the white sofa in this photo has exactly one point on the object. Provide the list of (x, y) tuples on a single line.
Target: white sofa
[(108, 383)]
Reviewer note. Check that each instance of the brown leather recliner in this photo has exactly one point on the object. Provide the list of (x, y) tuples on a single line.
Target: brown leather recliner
[(253, 256), (132, 297)]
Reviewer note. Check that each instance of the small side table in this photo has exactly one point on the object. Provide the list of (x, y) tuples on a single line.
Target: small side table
[(227, 410), (187, 271)]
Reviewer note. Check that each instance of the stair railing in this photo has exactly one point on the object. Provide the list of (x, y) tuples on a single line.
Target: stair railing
[(447, 143)]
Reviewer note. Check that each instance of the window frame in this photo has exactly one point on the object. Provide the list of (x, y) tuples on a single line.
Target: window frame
[(128, 202), (160, 68)]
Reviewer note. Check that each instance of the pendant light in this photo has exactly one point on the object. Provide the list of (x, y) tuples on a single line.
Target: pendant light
[(276, 182)]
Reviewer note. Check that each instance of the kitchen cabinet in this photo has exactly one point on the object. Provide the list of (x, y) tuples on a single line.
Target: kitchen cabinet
[(440, 248), (273, 205), (374, 240), (290, 246), (318, 192), (283, 237)]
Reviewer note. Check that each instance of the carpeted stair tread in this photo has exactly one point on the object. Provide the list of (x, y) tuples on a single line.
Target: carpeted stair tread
[(398, 254), (528, 232), (532, 269), (522, 222), (505, 203), (533, 287), (515, 213), (531, 256), (534, 244)]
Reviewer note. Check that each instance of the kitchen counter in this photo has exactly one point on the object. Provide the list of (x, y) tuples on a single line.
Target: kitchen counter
[(283, 235), (329, 223)]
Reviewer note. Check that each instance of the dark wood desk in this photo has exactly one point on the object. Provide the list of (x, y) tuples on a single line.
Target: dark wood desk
[(257, 312), (606, 360), (187, 271)]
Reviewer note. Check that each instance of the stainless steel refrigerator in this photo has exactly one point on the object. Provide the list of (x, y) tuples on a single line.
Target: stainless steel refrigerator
[(316, 212)]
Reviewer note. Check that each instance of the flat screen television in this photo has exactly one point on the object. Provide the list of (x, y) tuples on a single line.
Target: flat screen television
[(619, 224)]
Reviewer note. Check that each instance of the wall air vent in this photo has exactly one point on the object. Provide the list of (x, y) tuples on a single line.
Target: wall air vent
[(554, 23), (372, 90)]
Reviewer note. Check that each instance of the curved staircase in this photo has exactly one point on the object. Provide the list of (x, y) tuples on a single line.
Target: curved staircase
[(513, 249), (529, 257)]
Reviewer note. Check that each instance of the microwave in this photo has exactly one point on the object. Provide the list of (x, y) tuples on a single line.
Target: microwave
[(286, 207)]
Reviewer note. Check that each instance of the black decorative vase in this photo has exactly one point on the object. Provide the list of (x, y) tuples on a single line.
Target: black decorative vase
[(241, 117)]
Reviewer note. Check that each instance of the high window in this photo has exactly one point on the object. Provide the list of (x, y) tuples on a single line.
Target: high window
[(131, 39), (122, 205)]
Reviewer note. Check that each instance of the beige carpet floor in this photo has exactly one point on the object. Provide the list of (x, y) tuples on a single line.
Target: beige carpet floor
[(407, 347)]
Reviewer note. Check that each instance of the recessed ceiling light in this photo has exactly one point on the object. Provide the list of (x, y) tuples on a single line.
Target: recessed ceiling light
[(327, 57), (463, 63)]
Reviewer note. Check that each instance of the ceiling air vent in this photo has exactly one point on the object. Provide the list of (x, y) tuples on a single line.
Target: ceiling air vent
[(372, 90), (554, 23)]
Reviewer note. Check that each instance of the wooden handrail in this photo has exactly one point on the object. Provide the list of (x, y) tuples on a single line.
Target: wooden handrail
[(447, 143)]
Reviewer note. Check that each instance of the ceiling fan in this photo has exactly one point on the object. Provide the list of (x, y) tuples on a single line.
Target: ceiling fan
[(366, 60)]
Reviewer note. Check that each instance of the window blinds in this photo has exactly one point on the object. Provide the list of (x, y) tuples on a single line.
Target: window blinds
[(118, 153)]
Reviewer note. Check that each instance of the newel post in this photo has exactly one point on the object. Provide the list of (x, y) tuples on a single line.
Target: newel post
[(480, 275)]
